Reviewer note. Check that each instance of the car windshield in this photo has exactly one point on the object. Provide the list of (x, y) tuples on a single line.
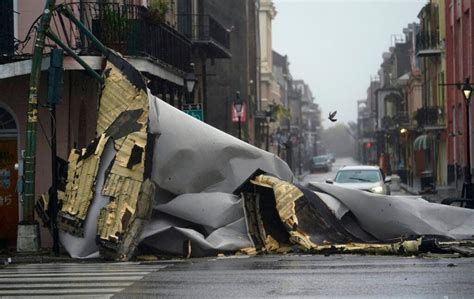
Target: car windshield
[(353, 176), (320, 159)]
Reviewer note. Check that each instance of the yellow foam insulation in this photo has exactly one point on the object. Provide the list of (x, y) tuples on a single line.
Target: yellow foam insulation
[(410, 247), (123, 156), (122, 184), (271, 244), (248, 251), (286, 195), (302, 240), (125, 194), (80, 182), (119, 95), (126, 175)]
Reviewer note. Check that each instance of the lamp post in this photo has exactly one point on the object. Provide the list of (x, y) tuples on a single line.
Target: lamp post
[(404, 171), (190, 81), (268, 118), (467, 186), (238, 105)]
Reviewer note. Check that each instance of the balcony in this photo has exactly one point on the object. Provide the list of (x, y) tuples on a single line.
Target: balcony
[(204, 31), (402, 118), (427, 43), (388, 122), (367, 134), (130, 30), (430, 117)]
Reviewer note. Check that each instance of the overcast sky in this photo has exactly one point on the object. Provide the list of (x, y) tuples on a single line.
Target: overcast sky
[(336, 45)]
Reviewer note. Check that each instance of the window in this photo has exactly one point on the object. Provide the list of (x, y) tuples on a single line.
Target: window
[(6, 27), (7, 123), (358, 176)]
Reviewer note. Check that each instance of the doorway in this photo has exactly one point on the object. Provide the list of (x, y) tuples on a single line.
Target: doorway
[(8, 179)]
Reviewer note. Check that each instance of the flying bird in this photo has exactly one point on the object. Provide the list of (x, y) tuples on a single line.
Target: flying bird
[(332, 115)]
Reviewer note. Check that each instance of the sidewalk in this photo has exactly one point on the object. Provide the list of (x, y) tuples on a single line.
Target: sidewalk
[(44, 255), (437, 196)]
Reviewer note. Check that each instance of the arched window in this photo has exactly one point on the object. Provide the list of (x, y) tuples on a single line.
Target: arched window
[(7, 122)]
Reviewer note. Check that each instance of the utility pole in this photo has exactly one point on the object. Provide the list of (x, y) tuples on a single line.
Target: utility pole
[(28, 230)]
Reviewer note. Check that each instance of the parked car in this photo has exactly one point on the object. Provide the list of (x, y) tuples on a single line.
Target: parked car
[(322, 162), (332, 156), (362, 177)]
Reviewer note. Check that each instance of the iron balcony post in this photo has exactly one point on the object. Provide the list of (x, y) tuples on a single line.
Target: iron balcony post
[(32, 116), (76, 57), (83, 29)]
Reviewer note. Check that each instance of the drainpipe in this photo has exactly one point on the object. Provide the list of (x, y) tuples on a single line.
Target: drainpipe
[(28, 230)]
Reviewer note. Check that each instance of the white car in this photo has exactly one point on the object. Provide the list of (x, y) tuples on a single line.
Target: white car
[(362, 177)]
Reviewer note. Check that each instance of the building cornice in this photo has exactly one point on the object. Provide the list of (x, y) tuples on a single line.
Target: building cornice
[(268, 7), (21, 68)]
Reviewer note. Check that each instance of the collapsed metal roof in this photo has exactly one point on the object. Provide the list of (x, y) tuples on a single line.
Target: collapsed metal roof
[(161, 181)]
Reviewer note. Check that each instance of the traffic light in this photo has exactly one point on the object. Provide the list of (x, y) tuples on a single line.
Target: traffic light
[(368, 145)]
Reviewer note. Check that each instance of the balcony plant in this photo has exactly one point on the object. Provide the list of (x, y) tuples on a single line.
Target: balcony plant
[(426, 116), (157, 10), (113, 26), (279, 112)]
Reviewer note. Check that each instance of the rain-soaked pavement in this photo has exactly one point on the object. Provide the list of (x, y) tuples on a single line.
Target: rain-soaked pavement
[(310, 276)]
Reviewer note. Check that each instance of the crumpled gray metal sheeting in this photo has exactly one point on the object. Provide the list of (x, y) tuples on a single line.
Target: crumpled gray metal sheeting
[(224, 208), (388, 217), (165, 234), (193, 157), (212, 221), (196, 168), (202, 166)]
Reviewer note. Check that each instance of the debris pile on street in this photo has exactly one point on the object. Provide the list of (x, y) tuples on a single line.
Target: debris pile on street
[(159, 180)]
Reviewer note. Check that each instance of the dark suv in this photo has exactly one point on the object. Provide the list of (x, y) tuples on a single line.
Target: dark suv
[(319, 163)]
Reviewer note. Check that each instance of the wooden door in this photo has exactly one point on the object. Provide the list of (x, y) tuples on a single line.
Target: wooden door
[(8, 194)]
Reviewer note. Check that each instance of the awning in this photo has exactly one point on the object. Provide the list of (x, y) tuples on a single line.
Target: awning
[(423, 142)]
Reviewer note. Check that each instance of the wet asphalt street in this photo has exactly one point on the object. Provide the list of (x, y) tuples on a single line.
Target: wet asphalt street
[(310, 276), (294, 276)]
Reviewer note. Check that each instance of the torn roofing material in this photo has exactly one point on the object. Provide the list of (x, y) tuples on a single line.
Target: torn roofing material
[(190, 157), (123, 118), (338, 220), (157, 178)]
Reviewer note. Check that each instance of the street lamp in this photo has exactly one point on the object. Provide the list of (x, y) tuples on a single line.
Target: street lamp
[(467, 186), (190, 81), (238, 105), (403, 164), (268, 118)]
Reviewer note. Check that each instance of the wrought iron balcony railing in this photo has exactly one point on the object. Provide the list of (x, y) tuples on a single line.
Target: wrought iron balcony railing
[(130, 29), (427, 43), (395, 121), (133, 31), (204, 30), (429, 116)]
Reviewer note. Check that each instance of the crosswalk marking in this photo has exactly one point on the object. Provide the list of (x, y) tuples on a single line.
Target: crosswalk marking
[(63, 274), (97, 280)]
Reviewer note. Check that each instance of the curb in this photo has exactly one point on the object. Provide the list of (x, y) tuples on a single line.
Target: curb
[(408, 190), (42, 257)]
